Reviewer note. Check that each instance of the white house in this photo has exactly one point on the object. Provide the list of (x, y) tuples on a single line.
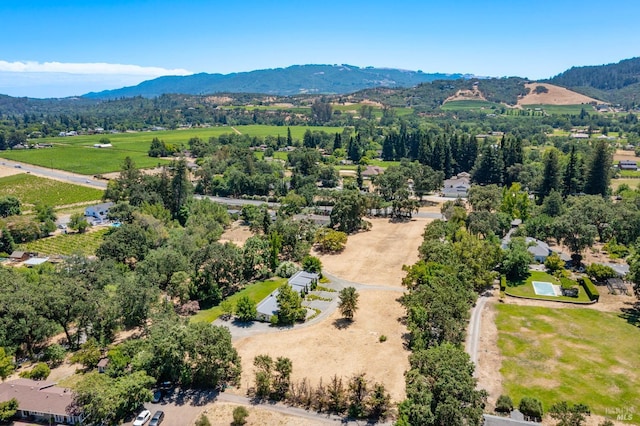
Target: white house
[(99, 211), (457, 187)]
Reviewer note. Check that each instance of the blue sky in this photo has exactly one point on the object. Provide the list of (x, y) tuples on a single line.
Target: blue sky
[(70, 47)]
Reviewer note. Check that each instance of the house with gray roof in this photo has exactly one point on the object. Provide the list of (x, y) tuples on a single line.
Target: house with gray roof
[(41, 401), (301, 281), (458, 186)]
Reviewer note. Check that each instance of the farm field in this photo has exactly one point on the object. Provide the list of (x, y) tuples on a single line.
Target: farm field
[(469, 105), (67, 244), (632, 182), (578, 355), (561, 109), (76, 153), (256, 292), (31, 189)]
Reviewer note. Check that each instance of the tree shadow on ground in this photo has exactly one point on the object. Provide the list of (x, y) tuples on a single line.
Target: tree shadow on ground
[(632, 314), (342, 323), (242, 324), (194, 397)]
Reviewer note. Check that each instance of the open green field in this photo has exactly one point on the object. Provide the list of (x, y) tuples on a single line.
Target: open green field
[(67, 244), (630, 173), (578, 355), (31, 189), (256, 292), (633, 183), (469, 105), (83, 160), (77, 154), (525, 288)]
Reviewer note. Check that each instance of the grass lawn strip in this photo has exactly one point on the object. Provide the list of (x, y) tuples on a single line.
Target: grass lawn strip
[(30, 189), (525, 289), (578, 355), (256, 292)]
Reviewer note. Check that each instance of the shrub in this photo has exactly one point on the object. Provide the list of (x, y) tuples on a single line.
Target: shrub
[(600, 273), (286, 269), (54, 354), (553, 263), (590, 289), (566, 283), (312, 264), (504, 404), (240, 415), (246, 309), (531, 408), (382, 338), (503, 282), (40, 372), (203, 421), (329, 240)]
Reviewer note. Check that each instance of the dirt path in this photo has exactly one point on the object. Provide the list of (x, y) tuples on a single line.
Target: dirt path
[(236, 130)]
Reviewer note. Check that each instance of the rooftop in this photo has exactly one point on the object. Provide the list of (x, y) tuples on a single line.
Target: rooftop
[(39, 396)]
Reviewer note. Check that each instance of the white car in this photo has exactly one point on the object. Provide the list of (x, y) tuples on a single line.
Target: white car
[(142, 418)]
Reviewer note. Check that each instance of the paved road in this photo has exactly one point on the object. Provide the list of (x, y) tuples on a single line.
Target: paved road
[(473, 336), (183, 408), (56, 174)]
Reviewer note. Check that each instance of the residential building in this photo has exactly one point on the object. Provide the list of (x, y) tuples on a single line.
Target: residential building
[(627, 165), (301, 281), (40, 401), (457, 187), (99, 211)]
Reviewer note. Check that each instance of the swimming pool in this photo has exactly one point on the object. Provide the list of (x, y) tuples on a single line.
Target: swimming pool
[(543, 288)]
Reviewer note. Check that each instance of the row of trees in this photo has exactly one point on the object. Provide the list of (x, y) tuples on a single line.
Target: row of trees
[(358, 399)]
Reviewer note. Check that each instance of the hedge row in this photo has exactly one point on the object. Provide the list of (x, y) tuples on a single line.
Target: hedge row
[(503, 282), (590, 289)]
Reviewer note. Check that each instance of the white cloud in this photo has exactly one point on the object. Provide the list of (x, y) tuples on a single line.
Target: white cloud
[(88, 68)]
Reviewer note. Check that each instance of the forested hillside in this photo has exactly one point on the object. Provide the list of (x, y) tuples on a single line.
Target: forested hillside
[(619, 82)]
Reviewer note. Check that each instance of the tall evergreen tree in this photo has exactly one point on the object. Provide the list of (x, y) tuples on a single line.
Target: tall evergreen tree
[(337, 141), (289, 138), (599, 166), (551, 176), (488, 167), (571, 179)]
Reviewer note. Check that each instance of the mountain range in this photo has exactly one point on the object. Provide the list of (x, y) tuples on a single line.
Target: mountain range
[(293, 80), (615, 83)]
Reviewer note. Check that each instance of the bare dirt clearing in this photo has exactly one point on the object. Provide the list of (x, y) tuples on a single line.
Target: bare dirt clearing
[(376, 256), (237, 233), (9, 171), (556, 95), (322, 350), (221, 414), (623, 154)]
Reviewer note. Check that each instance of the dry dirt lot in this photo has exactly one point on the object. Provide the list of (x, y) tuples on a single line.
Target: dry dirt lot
[(622, 154), (9, 171), (376, 256), (556, 95), (322, 350), (221, 414), (237, 233)]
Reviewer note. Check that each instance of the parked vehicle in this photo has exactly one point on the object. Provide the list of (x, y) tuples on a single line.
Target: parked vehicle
[(142, 418), (157, 418)]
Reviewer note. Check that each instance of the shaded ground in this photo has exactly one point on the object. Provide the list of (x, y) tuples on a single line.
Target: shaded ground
[(237, 233)]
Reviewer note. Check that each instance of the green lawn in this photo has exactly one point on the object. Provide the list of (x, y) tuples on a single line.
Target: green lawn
[(578, 355), (66, 245), (256, 292), (630, 173), (525, 288), (30, 189)]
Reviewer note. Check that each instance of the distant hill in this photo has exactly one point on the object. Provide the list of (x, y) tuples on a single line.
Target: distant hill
[(294, 80), (617, 83)]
